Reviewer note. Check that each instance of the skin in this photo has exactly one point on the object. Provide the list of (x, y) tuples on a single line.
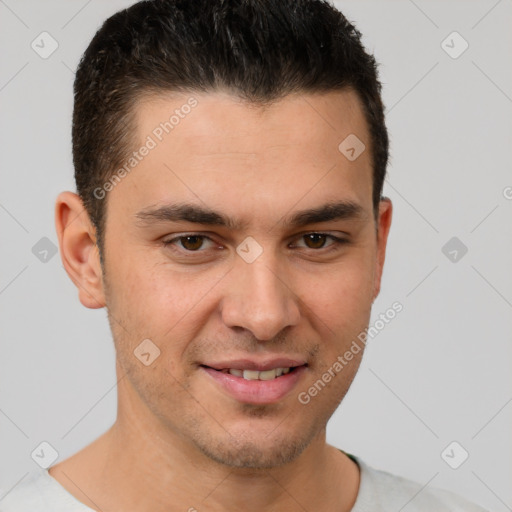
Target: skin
[(180, 441)]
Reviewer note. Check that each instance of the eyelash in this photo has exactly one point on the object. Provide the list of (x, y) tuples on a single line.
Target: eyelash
[(337, 241)]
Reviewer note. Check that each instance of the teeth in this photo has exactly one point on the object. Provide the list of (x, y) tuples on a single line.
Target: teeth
[(255, 375), (268, 375), (251, 375)]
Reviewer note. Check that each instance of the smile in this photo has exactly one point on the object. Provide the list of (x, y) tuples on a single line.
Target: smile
[(256, 386), (255, 375)]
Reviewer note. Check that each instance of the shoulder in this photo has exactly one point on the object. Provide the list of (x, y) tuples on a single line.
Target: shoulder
[(383, 491), (38, 491)]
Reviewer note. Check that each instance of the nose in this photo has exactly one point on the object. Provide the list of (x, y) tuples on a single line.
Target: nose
[(259, 299)]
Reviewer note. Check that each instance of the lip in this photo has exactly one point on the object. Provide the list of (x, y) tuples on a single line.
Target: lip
[(257, 391), (252, 364)]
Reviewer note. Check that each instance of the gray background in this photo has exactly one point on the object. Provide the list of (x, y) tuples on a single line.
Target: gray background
[(439, 372)]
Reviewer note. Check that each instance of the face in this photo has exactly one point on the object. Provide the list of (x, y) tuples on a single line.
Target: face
[(244, 241)]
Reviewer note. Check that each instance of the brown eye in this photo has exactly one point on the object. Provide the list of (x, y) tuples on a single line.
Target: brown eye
[(192, 242), (318, 241), (315, 240), (189, 243)]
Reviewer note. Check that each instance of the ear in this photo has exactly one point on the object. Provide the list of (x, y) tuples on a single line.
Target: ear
[(78, 249), (384, 223)]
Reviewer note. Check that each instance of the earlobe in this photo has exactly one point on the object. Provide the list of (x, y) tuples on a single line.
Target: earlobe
[(384, 225), (78, 250)]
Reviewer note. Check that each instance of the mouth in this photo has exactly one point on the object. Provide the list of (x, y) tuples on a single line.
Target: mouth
[(247, 374), (254, 385)]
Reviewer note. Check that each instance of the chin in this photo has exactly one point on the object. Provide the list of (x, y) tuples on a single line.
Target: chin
[(265, 453)]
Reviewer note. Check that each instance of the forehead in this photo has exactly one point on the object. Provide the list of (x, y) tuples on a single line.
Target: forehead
[(216, 149), (205, 121)]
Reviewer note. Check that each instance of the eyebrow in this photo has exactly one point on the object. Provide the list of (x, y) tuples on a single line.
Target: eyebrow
[(196, 214)]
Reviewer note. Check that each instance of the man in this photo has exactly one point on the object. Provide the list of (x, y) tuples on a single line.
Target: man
[(229, 161)]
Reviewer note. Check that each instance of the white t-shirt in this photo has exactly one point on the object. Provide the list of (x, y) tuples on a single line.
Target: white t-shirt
[(379, 491)]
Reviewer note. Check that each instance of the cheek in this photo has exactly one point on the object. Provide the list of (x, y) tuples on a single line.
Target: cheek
[(342, 297), (159, 302)]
